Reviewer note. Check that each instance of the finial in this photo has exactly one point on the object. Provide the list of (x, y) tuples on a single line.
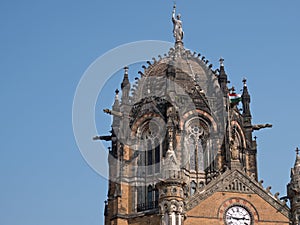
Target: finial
[(297, 151), (245, 82), (221, 61), (126, 70), (232, 89), (117, 94)]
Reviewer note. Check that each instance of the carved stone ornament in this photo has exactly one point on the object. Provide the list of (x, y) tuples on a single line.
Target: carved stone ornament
[(237, 181), (168, 206)]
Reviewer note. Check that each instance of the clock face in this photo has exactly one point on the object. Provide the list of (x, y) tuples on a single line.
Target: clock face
[(237, 215)]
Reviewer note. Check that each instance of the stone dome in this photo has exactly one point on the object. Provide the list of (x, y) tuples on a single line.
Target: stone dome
[(181, 72)]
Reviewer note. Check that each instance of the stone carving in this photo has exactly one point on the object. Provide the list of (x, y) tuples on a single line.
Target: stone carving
[(167, 206), (234, 147), (261, 126), (237, 181)]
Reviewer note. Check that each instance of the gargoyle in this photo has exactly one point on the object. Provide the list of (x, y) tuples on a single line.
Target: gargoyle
[(112, 112), (261, 126)]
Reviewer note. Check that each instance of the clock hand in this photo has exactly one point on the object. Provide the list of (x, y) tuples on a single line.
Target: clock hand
[(237, 218)]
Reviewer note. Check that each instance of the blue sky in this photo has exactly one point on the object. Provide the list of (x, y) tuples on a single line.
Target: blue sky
[(45, 47)]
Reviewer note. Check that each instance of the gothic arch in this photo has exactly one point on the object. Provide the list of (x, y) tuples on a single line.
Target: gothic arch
[(149, 135), (143, 119), (240, 132), (201, 114)]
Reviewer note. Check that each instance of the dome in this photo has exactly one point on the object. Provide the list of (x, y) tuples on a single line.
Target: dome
[(183, 66), (180, 76)]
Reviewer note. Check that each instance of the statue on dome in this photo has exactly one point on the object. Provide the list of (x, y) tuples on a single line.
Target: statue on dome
[(177, 30)]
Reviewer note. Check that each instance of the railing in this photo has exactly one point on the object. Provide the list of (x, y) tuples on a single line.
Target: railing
[(147, 206)]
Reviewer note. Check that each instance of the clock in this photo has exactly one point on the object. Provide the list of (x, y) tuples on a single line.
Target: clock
[(237, 215)]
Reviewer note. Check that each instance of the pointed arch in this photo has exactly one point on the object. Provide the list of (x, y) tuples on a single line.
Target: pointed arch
[(195, 144), (193, 188), (240, 133)]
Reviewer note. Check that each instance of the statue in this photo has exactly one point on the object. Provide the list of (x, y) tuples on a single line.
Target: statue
[(235, 152), (177, 30), (234, 148)]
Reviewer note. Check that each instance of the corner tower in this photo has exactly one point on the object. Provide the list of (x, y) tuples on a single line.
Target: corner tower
[(293, 190)]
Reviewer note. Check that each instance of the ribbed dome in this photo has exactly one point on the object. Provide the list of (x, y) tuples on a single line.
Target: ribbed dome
[(185, 64), (181, 72)]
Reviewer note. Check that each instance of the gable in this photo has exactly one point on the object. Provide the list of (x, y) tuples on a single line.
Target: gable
[(235, 188)]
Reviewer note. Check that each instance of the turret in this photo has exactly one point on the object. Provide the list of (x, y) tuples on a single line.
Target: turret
[(246, 99), (125, 86), (125, 108), (293, 191), (116, 105), (115, 124), (171, 191), (251, 148), (223, 80)]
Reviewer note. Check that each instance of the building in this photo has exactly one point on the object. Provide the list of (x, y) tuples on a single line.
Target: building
[(183, 152)]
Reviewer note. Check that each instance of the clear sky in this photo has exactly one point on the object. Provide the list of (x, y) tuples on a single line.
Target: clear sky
[(45, 47)]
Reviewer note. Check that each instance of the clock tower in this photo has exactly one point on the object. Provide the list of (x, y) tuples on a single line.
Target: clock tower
[(182, 148)]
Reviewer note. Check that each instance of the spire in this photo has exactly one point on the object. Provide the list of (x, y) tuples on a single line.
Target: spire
[(246, 99), (297, 161), (116, 119), (223, 80), (293, 190), (116, 105), (125, 86)]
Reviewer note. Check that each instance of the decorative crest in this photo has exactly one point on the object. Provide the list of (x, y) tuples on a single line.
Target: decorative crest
[(245, 82), (221, 61), (126, 70), (117, 94), (297, 151)]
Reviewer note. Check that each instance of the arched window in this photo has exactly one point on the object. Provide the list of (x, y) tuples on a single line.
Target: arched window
[(151, 145), (200, 153), (195, 141), (148, 162), (193, 188), (140, 198), (150, 197), (157, 155), (141, 163), (192, 153), (156, 197), (149, 156), (201, 184)]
